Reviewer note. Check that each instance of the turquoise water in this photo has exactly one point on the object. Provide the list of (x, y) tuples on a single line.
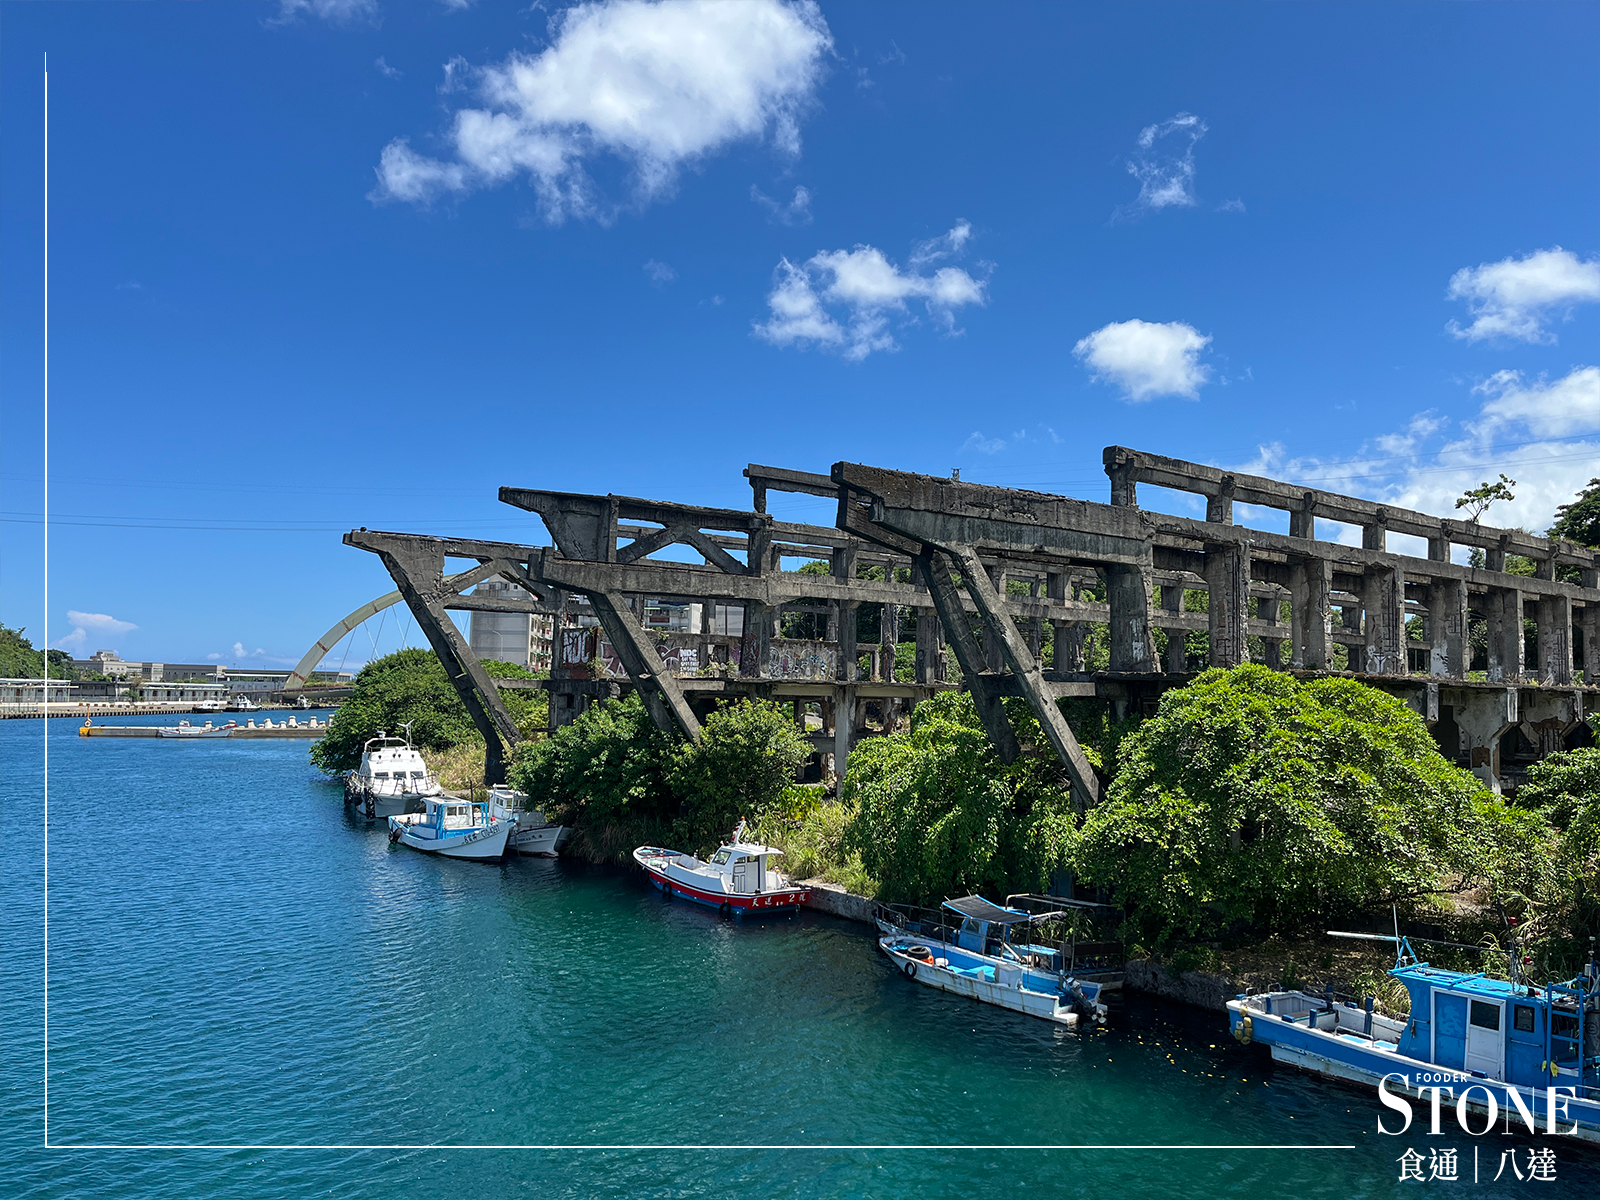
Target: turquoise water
[(235, 961)]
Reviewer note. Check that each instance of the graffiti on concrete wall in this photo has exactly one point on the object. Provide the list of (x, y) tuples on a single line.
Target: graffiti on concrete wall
[(795, 658)]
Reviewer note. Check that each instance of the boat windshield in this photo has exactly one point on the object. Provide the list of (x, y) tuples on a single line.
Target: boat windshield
[(720, 858)]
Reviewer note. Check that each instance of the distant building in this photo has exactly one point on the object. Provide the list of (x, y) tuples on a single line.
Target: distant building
[(255, 683), (527, 639), (29, 695), (111, 665)]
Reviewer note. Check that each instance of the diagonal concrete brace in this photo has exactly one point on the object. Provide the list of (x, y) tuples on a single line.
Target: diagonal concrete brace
[(417, 565), (991, 606), (985, 694), (657, 688)]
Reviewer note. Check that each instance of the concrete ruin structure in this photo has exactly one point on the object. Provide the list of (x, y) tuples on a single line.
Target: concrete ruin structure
[(991, 576)]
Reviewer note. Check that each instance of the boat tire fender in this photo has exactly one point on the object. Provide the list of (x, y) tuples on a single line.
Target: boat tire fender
[(1244, 1030), (911, 970), (727, 909)]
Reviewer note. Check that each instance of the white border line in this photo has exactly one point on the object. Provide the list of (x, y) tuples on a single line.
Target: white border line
[(46, 721), (663, 1148), (428, 1146)]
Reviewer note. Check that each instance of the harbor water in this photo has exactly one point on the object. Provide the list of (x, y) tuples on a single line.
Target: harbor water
[(238, 964)]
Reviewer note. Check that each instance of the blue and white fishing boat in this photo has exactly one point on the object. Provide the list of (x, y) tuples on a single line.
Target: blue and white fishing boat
[(1505, 1045), (993, 953), (455, 828)]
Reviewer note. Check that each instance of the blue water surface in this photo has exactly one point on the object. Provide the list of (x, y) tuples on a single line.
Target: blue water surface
[(236, 961)]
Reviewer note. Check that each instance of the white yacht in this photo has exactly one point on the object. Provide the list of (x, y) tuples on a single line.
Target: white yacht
[(533, 834), (392, 777)]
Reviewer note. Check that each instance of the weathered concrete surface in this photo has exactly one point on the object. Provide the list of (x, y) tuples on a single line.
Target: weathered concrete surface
[(833, 899), (1211, 992)]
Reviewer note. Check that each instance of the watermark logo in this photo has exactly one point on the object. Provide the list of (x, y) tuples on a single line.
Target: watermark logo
[(1478, 1110)]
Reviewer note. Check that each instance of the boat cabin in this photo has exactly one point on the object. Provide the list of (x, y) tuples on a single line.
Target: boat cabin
[(744, 865), (392, 766), (981, 925), (447, 815), (1512, 1032)]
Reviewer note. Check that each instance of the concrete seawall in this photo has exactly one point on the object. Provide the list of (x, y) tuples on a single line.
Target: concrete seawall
[(833, 899)]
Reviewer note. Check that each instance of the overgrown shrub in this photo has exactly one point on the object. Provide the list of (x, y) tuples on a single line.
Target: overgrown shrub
[(612, 771), (607, 766), (410, 685), (1253, 799), (1565, 790), (747, 755), (937, 814)]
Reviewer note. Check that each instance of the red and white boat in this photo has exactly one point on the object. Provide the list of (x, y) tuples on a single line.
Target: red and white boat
[(738, 880)]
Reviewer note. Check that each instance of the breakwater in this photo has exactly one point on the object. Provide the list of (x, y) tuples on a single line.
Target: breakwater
[(292, 728)]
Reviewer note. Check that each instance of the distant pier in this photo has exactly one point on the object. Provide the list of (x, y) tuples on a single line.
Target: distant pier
[(292, 728)]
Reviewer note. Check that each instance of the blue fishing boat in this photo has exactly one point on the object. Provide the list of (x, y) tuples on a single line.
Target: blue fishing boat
[(998, 954), (1506, 1046)]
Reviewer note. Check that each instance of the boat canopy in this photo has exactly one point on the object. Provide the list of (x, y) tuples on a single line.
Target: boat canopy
[(980, 909)]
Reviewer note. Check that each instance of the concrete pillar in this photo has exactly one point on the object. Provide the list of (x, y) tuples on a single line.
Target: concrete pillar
[(1227, 570), (1219, 506), (1272, 648), (888, 640), (1447, 628), (1067, 636), (991, 644), (1483, 716), (1555, 640), (1177, 657), (1128, 595), (759, 621), (1383, 597), (848, 651), (930, 641), (1506, 646), (1589, 623), (1311, 625)]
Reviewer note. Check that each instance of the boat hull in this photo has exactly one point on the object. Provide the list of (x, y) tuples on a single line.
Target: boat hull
[(487, 843), (1344, 1057), (1048, 1006), (543, 841), (738, 904)]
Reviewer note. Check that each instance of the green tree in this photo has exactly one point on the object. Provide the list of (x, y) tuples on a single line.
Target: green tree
[(747, 755), (1580, 521), (410, 685), (936, 813), (608, 766), (1565, 790), (19, 660), (1477, 500), (1254, 799)]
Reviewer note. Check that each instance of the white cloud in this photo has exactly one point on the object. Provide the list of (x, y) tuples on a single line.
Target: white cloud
[(1515, 297), (659, 273), (796, 212), (866, 291), (1409, 473), (1147, 359), (85, 623), (946, 245), (655, 86), (335, 12), (213, 658), (386, 70), (1234, 205), (983, 445), (1570, 405), (1164, 163)]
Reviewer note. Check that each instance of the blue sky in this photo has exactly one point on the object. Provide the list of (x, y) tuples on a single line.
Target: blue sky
[(335, 264)]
